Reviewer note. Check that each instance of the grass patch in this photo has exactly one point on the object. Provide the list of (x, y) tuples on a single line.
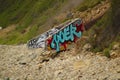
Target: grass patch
[(88, 4), (26, 14), (107, 52)]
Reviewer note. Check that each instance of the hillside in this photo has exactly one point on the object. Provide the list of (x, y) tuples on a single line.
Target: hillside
[(95, 56), (106, 31), (112, 26), (23, 20)]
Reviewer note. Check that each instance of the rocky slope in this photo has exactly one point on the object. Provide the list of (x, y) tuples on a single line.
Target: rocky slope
[(20, 63)]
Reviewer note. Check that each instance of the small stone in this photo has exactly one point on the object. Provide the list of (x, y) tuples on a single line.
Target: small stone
[(44, 60), (105, 78), (116, 47), (39, 66), (80, 76), (98, 11), (22, 63), (118, 71), (87, 47), (92, 54), (69, 15)]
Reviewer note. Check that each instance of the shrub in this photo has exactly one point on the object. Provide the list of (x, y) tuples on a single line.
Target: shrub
[(107, 52)]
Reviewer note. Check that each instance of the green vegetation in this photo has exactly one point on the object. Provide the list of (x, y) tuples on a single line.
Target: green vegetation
[(23, 11), (111, 28), (29, 16), (107, 52), (105, 32), (95, 31), (88, 4)]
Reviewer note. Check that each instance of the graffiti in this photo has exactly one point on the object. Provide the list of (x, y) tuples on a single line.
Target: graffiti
[(58, 37), (67, 34), (40, 41)]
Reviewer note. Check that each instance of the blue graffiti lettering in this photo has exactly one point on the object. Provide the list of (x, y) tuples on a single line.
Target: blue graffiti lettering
[(66, 34)]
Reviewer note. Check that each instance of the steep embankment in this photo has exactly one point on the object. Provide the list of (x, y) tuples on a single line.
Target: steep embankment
[(111, 30)]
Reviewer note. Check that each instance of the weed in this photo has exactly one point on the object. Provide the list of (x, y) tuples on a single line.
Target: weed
[(107, 52)]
